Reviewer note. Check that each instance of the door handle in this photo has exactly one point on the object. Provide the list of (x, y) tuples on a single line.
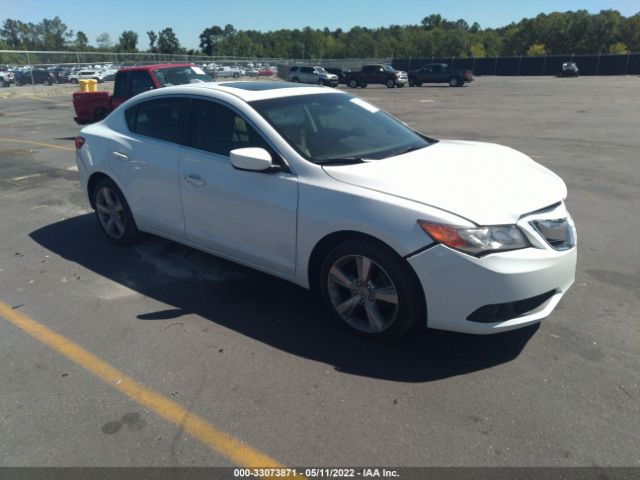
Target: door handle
[(195, 180), (120, 156)]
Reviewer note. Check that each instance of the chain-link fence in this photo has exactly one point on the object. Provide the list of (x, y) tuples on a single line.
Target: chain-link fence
[(33, 67), (626, 64)]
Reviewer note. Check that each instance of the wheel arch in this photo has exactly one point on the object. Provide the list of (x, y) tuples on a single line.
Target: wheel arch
[(93, 180), (328, 242)]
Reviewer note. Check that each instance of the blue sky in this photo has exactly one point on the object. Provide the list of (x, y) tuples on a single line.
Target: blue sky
[(188, 18)]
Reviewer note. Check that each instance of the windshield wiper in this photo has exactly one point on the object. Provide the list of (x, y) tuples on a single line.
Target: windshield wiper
[(339, 161)]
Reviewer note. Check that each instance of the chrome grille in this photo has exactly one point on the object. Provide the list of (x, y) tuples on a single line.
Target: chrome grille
[(559, 233)]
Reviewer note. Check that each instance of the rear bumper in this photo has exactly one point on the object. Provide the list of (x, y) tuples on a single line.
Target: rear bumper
[(456, 285)]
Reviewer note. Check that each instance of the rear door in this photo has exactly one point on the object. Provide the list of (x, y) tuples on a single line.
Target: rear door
[(146, 162)]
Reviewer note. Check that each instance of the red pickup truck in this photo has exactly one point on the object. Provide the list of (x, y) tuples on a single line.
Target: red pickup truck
[(130, 81)]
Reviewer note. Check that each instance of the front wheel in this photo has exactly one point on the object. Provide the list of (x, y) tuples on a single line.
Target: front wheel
[(320, 82), (114, 215), (353, 83), (390, 83), (400, 85), (371, 290)]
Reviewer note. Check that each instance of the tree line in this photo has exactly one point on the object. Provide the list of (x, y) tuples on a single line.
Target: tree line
[(577, 32)]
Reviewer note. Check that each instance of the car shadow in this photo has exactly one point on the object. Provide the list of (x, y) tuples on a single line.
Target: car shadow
[(267, 309)]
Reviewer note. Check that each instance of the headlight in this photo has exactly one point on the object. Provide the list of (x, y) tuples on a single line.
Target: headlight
[(476, 240)]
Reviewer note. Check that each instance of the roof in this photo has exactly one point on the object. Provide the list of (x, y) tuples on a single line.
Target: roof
[(250, 91)]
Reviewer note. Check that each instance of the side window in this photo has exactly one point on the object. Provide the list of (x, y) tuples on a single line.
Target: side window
[(130, 116), (164, 119), (306, 70), (141, 82), (122, 87), (218, 129)]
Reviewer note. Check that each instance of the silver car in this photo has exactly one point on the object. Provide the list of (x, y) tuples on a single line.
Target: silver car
[(316, 75)]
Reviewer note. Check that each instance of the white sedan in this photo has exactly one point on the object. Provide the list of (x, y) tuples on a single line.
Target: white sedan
[(325, 190)]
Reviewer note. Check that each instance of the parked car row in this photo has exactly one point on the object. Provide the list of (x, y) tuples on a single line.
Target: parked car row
[(381, 74)]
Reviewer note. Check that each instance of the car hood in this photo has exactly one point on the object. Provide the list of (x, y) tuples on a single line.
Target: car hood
[(486, 183)]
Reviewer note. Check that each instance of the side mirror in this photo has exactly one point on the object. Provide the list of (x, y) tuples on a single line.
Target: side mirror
[(254, 159)]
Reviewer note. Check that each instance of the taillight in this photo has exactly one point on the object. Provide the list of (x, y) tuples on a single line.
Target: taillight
[(79, 141)]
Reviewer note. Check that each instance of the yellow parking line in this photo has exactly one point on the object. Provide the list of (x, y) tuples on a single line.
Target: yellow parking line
[(231, 448), (30, 142)]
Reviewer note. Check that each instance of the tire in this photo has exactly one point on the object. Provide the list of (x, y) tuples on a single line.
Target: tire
[(357, 271), (236, 75), (363, 85), (400, 85), (113, 213), (390, 83), (296, 80), (4, 83), (453, 82), (321, 82), (46, 83), (412, 82), (74, 80), (353, 83)]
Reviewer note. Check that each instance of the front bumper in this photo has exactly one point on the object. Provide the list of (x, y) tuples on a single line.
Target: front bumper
[(501, 291), (456, 285)]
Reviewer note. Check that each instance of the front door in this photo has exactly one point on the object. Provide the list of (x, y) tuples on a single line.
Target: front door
[(249, 216)]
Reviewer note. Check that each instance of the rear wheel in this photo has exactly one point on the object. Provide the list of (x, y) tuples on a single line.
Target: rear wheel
[(113, 213), (453, 82), (370, 289)]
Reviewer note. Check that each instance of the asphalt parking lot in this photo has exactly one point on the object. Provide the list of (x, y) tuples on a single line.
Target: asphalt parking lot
[(246, 359)]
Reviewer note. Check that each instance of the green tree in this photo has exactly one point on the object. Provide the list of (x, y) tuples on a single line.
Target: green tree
[(104, 41), (618, 48), (152, 40), (128, 41), (477, 50), (168, 42), (11, 32), (209, 38), (82, 41), (536, 50)]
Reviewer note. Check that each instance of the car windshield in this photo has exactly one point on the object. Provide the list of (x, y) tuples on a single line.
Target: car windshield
[(389, 68), (320, 70), (181, 76), (337, 127)]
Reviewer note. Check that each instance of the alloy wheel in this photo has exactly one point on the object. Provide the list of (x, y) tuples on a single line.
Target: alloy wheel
[(110, 213), (362, 293)]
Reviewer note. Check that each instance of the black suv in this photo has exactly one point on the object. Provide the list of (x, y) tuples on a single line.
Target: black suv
[(569, 69), (36, 76)]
